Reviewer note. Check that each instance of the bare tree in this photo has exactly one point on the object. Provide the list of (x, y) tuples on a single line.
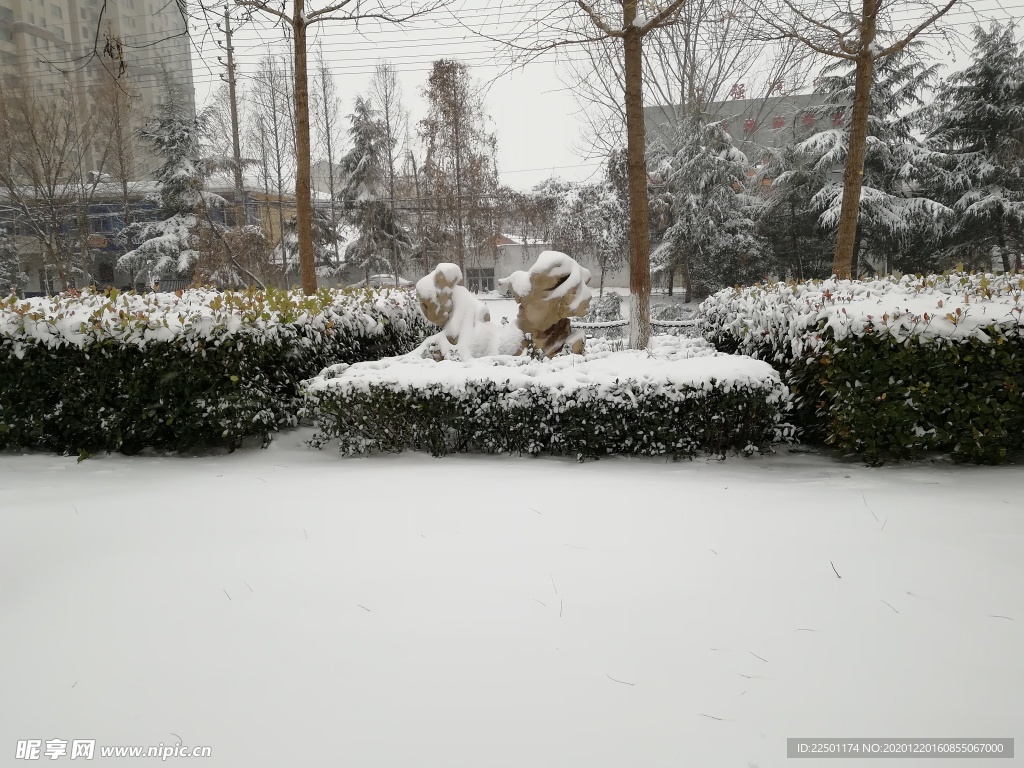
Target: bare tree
[(270, 136), (686, 65), (386, 93), (297, 17), (861, 32), (627, 23), (328, 122), (119, 118), (45, 186)]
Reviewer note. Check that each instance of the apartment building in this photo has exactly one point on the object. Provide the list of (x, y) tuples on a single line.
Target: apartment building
[(46, 45)]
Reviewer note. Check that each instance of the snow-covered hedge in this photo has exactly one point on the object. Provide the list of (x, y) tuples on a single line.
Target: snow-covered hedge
[(890, 367), (583, 406), (82, 373)]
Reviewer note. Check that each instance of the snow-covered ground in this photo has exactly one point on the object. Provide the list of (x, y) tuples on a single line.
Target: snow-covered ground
[(290, 608)]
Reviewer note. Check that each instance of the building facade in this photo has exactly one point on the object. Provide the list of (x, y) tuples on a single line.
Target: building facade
[(46, 46)]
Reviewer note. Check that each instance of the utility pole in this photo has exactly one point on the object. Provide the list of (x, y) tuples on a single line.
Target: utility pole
[(236, 149)]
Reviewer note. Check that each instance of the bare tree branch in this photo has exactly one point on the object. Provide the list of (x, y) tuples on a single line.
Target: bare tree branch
[(909, 37)]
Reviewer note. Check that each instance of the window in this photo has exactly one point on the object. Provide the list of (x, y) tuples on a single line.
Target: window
[(808, 119), (837, 117), (57, 11), (105, 272), (480, 280), (749, 125), (9, 59), (778, 122)]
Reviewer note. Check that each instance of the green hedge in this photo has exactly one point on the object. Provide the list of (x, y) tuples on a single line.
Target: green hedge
[(123, 372), (495, 409), (890, 368), (898, 400)]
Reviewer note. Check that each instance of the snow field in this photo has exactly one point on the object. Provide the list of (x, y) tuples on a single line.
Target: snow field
[(291, 608)]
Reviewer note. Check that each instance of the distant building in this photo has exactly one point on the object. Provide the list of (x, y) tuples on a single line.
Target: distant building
[(45, 45), (757, 123)]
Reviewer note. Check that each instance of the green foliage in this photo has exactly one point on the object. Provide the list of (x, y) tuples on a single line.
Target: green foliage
[(872, 373), (634, 417), (890, 400), (121, 372), (978, 116)]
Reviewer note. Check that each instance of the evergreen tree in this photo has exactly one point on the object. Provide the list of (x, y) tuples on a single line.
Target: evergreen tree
[(711, 239), (979, 125), (382, 243), (326, 245), (789, 180), (591, 225), (168, 247), (12, 279), (898, 227)]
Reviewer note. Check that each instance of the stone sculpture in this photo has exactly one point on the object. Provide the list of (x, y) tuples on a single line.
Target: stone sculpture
[(553, 290)]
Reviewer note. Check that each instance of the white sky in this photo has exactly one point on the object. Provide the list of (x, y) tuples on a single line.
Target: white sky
[(535, 116)]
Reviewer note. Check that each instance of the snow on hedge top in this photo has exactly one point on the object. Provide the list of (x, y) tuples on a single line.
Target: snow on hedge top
[(793, 318), (682, 366), (197, 317)]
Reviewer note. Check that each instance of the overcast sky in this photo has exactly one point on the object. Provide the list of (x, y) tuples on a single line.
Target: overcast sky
[(535, 116)]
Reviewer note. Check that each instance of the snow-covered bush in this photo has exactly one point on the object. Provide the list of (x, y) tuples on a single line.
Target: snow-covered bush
[(583, 406), (90, 372), (890, 367)]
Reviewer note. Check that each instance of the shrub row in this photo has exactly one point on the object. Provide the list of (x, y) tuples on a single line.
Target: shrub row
[(123, 372), (621, 402), (890, 368)]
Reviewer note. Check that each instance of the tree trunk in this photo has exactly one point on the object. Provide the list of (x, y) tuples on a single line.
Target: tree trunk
[(853, 178), (794, 242), (855, 265), (419, 213), (1001, 239), (671, 280), (303, 198), (330, 181), (639, 236)]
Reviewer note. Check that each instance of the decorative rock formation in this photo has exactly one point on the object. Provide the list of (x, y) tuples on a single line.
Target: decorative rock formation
[(466, 327), (549, 293)]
